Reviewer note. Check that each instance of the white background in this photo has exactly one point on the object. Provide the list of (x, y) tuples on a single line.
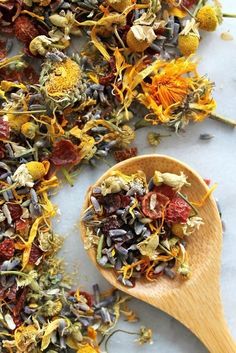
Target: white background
[(215, 159)]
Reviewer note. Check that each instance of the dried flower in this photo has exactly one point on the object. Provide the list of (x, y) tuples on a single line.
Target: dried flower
[(172, 96), (29, 130), (22, 177), (36, 170), (207, 18), (173, 180), (137, 43), (145, 335), (119, 5), (188, 44)]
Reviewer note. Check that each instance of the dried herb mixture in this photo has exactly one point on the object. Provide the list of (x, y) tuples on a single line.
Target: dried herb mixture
[(99, 63), (139, 227)]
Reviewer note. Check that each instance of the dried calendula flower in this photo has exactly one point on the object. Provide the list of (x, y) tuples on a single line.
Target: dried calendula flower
[(60, 80), (36, 169), (207, 18), (119, 5), (29, 130), (87, 348), (26, 338)]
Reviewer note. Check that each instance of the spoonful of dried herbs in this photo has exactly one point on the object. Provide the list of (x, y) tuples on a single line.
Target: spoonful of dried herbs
[(152, 228)]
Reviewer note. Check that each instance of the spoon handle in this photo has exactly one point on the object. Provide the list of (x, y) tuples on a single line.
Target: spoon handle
[(199, 308), (214, 333)]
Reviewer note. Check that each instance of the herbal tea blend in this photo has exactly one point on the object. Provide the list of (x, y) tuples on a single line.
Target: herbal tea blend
[(140, 227), (83, 71)]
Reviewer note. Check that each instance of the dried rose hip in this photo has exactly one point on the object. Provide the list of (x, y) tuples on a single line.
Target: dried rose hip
[(166, 190), (15, 211), (7, 249), (178, 211), (25, 29), (188, 3), (4, 129), (21, 225), (35, 254), (64, 153), (88, 297), (153, 203)]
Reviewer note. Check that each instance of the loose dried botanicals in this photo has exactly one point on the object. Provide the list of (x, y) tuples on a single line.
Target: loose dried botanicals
[(140, 227)]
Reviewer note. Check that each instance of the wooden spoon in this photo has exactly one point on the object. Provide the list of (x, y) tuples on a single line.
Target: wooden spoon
[(194, 302)]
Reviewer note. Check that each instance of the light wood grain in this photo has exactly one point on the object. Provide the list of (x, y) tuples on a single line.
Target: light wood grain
[(195, 302)]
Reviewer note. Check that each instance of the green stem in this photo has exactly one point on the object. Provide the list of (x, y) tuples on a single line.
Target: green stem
[(67, 176), (24, 112), (16, 273), (8, 188), (222, 119), (189, 203), (99, 248), (229, 15), (200, 3), (117, 331)]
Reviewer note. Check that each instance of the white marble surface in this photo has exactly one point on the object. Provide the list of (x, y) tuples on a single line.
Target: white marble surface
[(215, 159)]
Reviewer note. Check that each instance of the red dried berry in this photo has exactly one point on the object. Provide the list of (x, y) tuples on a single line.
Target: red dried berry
[(7, 249), (64, 153), (4, 130), (35, 254), (25, 29), (20, 303), (88, 297), (165, 190), (188, 3), (15, 210), (21, 225), (178, 211), (153, 203)]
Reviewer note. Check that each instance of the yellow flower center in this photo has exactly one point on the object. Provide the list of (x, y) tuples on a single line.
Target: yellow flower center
[(168, 90), (64, 77)]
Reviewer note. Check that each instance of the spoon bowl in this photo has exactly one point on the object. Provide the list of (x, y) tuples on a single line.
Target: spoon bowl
[(194, 302)]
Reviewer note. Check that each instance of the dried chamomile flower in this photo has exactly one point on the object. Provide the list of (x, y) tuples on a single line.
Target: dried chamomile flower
[(153, 138), (67, 23), (113, 184), (145, 335), (208, 18), (51, 308), (188, 40), (40, 45), (126, 136), (29, 130), (36, 170), (22, 177), (173, 180)]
